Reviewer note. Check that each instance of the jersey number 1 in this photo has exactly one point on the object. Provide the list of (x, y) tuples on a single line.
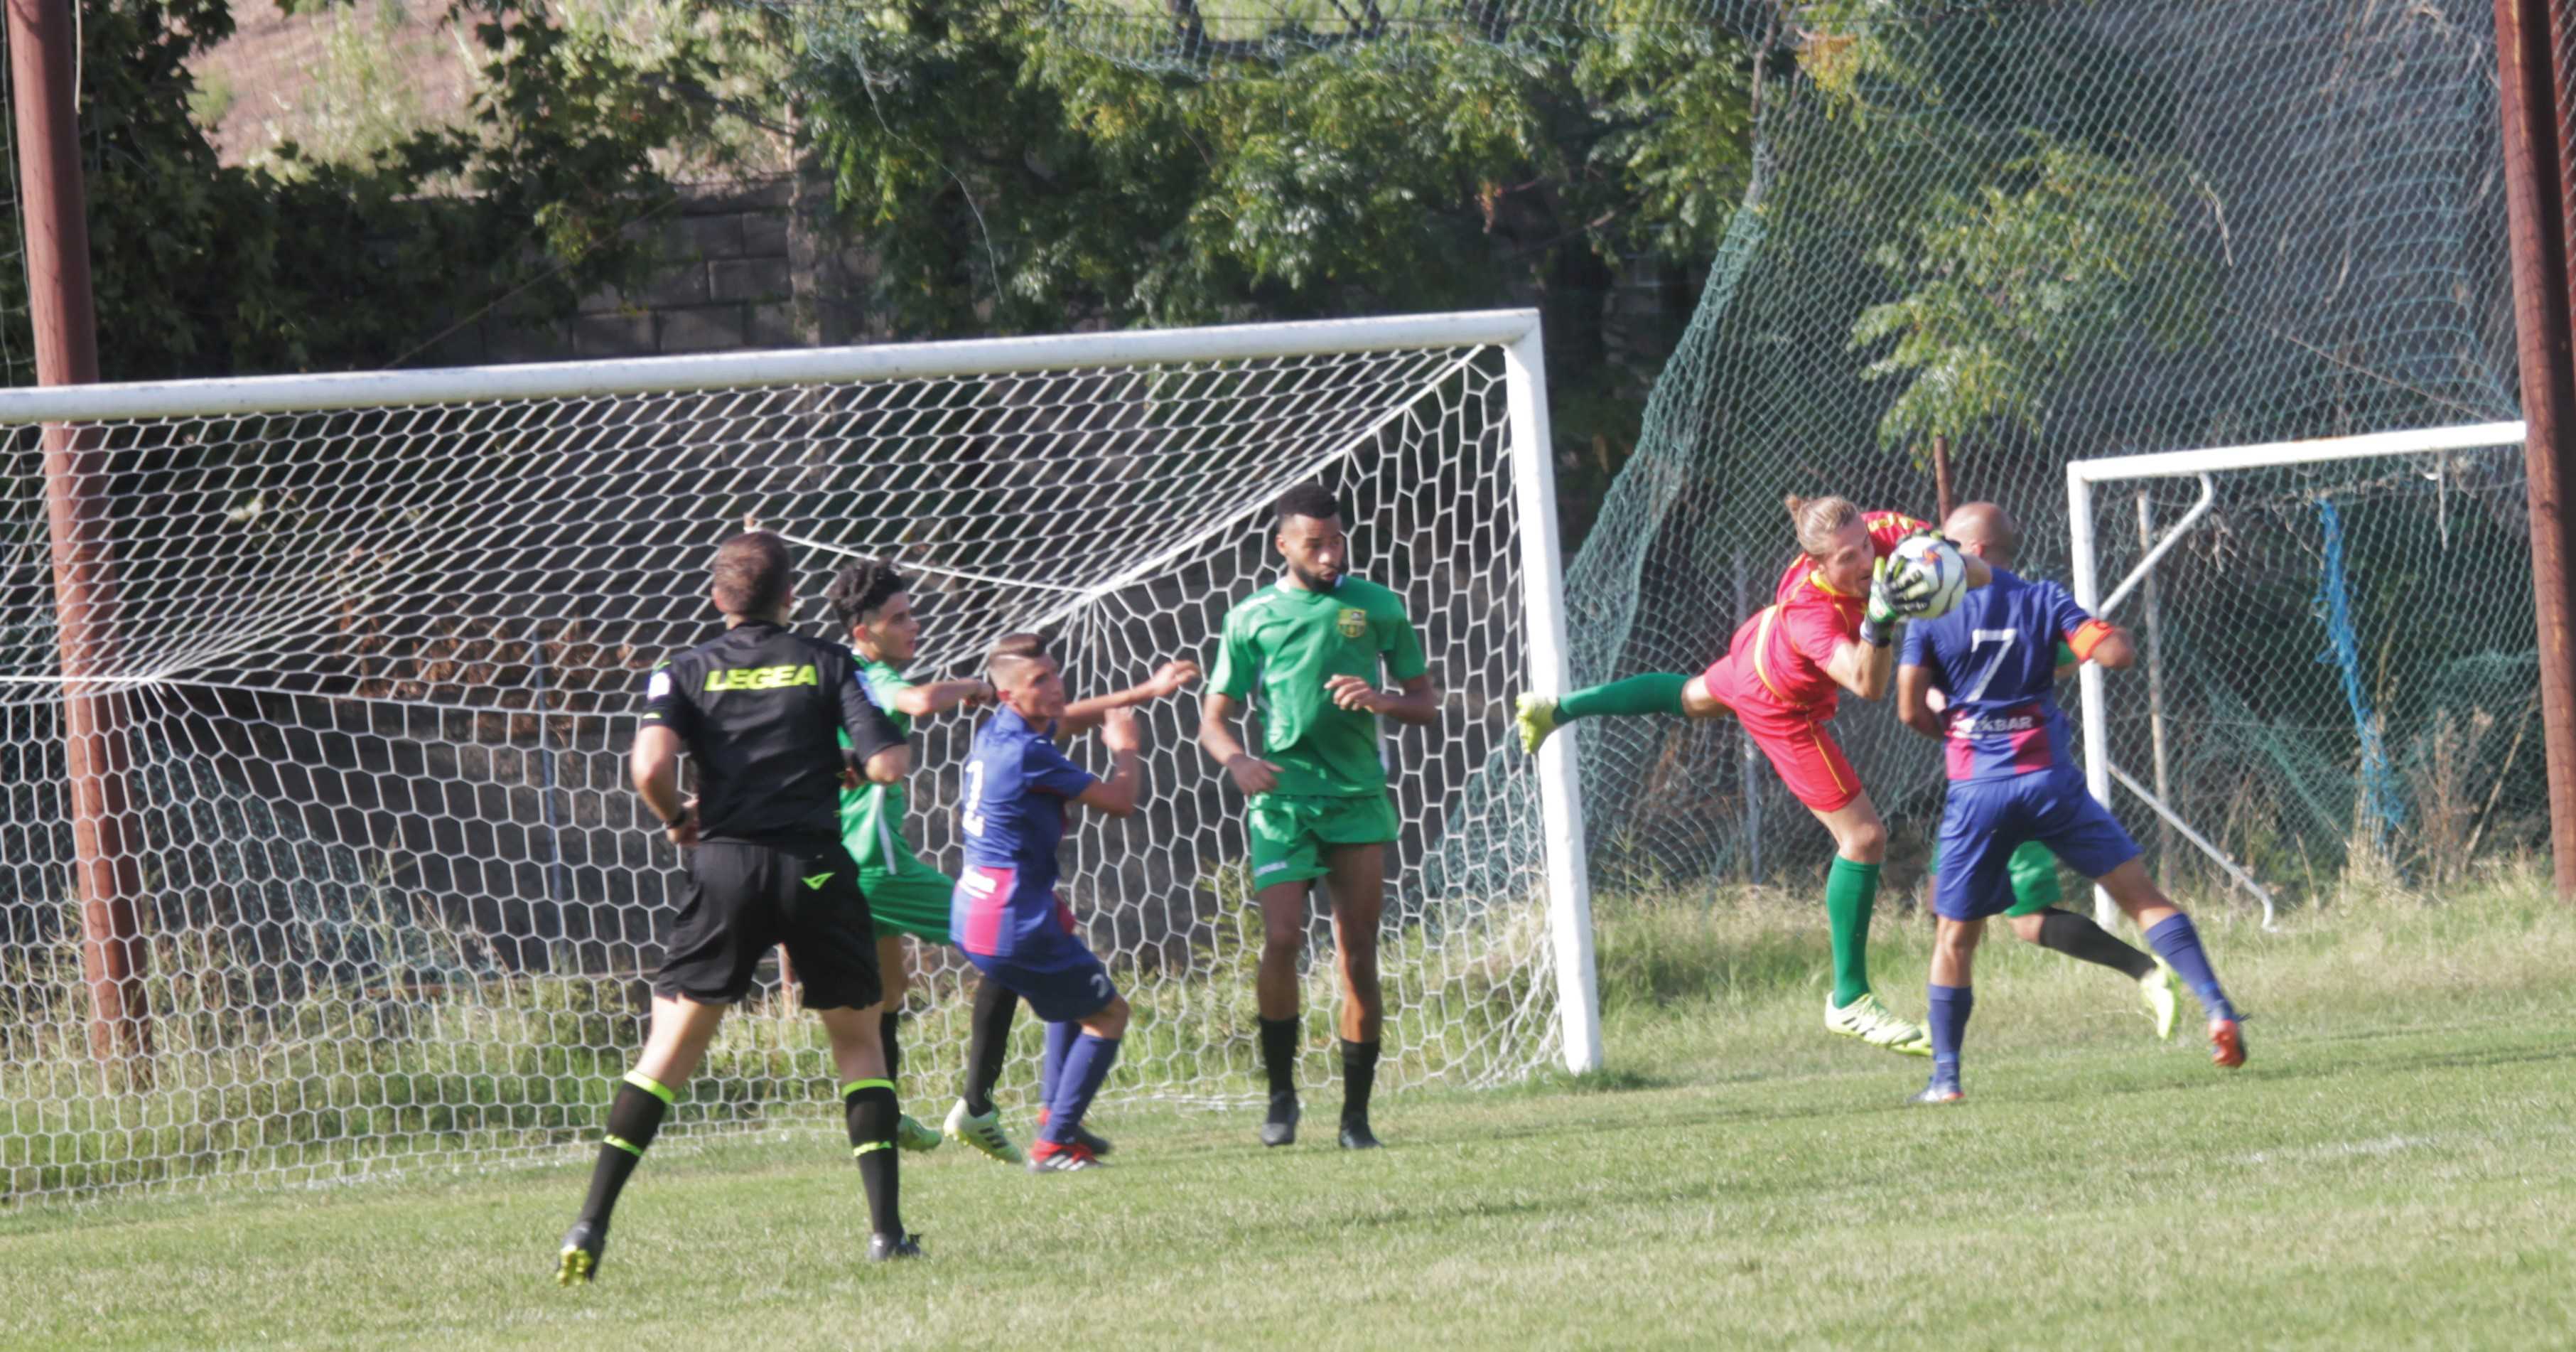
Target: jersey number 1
[(968, 813)]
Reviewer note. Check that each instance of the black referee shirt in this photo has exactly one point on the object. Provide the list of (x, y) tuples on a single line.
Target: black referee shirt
[(757, 708)]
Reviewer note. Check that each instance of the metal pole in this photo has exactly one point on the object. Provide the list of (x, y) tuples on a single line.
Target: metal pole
[(105, 872), (1941, 475), (2535, 216), (2088, 678), (2153, 627)]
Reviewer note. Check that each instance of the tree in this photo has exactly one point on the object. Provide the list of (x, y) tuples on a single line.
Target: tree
[(203, 269), (1007, 177)]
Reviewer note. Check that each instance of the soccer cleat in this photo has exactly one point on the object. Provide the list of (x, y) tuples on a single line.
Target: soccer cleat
[(1083, 1135), (1047, 1157), (983, 1133), (1870, 1021), (2163, 1003), (1943, 1089), (1535, 717), (2226, 1043), (910, 1133), (887, 1248), (1357, 1136), (1281, 1129), (582, 1246)]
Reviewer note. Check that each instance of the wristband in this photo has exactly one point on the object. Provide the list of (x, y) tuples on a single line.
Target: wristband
[(1873, 635), (673, 823)]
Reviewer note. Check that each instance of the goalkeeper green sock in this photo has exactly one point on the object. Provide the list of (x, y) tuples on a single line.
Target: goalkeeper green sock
[(1851, 893), (1656, 692)]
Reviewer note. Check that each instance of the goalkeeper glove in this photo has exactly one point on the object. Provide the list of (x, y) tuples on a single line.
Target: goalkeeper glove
[(1891, 598)]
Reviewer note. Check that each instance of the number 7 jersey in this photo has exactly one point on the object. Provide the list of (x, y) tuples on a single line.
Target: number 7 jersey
[(1996, 657)]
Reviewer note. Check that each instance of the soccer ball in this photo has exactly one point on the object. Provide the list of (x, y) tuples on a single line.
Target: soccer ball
[(1938, 560)]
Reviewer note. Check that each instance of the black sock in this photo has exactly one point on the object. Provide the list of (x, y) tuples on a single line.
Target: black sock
[(1279, 1053), (2078, 937), (988, 1040), (887, 1023), (633, 1117), (872, 1114), (1359, 1077)]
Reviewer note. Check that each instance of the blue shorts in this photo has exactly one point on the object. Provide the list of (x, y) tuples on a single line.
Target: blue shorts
[(1067, 984), (1987, 819)]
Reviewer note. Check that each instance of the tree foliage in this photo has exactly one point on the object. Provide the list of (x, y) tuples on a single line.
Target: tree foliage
[(201, 268)]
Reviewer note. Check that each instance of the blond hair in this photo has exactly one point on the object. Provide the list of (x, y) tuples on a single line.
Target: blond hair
[(1819, 520)]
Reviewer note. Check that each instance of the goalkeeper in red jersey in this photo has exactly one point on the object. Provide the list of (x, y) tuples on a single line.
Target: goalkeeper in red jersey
[(1831, 627)]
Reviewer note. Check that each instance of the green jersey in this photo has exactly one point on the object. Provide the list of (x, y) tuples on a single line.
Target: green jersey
[(1284, 642), (872, 814)]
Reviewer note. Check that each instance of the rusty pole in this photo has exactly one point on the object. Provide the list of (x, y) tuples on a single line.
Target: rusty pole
[(56, 231), (2535, 213), (1941, 477)]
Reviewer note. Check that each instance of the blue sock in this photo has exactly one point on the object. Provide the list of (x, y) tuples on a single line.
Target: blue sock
[(1950, 1006), (1059, 1044), (2175, 941), (1085, 1068)]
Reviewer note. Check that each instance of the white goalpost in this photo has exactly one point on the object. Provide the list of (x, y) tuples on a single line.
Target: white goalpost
[(2274, 688), (371, 647)]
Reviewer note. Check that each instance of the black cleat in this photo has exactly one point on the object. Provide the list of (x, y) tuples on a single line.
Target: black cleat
[(582, 1246), (1281, 1129), (1357, 1136), (887, 1248)]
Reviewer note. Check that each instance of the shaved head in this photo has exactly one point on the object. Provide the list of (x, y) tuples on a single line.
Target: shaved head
[(1984, 530)]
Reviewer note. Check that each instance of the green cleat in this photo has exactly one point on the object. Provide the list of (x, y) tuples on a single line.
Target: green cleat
[(911, 1134), (1535, 717), (2163, 1003), (1870, 1021), (983, 1133), (582, 1246)]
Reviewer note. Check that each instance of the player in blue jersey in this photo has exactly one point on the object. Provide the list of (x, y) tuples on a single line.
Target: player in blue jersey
[(1005, 914), (1982, 531), (2013, 779)]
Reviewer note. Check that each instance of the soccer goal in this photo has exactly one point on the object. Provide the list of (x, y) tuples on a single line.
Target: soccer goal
[(341, 868), (2340, 667)]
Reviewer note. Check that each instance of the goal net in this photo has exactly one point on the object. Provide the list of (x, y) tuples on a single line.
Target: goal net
[(2337, 671), (356, 855)]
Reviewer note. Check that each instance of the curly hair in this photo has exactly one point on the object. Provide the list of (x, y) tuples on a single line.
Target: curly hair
[(861, 587)]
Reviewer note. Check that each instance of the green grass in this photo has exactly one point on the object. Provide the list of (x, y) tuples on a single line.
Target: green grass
[(2397, 1167)]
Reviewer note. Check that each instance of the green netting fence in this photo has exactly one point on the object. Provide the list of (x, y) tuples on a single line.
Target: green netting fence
[(2051, 231)]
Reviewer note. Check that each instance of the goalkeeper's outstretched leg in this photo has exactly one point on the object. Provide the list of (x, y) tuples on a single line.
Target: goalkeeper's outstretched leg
[(1830, 630)]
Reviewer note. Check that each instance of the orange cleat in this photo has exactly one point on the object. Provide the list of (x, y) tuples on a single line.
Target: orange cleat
[(2226, 1043)]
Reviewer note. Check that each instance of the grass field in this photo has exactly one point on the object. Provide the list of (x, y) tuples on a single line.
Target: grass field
[(2397, 1167)]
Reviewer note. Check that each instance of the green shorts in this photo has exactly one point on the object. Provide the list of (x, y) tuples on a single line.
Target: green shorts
[(909, 898), (1290, 835), (2034, 878)]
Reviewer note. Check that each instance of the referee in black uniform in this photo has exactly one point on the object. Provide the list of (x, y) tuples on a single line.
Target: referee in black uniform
[(756, 708)]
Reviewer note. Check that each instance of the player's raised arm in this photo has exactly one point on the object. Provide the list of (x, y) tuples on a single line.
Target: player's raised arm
[(1918, 691), (876, 750), (1916, 700), (1118, 794), (2087, 638), (1083, 715)]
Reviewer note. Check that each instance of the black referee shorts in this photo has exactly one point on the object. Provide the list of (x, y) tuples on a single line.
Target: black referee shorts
[(744, 900)]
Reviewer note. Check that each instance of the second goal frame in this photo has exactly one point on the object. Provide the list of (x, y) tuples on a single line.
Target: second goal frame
[(2083, 477)]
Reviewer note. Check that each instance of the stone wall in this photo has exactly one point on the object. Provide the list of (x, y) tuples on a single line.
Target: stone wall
[(726, 284)]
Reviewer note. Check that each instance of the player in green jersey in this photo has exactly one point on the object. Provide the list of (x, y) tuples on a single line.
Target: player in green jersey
[(1311, 648), (906, 896)]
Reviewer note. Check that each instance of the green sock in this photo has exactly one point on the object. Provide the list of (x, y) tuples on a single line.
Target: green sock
[(1851, 890), (1656, 692)]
